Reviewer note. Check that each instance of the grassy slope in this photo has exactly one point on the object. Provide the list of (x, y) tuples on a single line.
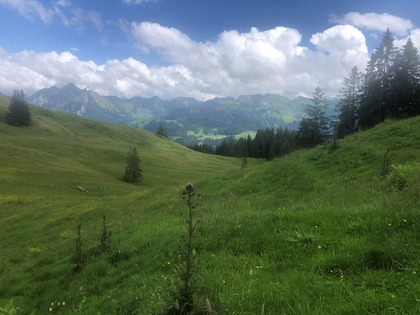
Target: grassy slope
[(322, 232), (41, 168)]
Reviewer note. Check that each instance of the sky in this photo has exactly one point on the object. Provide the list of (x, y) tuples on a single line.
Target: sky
[(195, 48)]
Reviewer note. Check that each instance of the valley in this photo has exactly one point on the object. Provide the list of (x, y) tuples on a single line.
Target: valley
[(187, 120), (319, 231)]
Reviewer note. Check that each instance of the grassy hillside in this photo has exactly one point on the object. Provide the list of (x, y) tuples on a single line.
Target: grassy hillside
[(317, 232)]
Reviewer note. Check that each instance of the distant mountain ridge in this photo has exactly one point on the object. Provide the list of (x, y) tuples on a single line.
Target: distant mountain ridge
[(181, 116)]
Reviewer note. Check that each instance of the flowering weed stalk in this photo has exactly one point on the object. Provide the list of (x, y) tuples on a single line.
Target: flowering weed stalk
[(106, 237), (79, 258), (184, 298)]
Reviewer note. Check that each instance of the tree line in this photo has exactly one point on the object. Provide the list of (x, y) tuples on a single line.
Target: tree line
[(389, 89), (267, 144)]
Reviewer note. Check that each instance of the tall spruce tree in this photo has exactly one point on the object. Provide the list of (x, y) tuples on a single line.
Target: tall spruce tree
[(18, 114), (313, 129), (133, 172), (405, 94), (349, 103), (161, 131), (376, 88)]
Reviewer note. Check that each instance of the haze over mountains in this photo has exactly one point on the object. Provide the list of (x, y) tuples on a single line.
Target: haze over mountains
[(182, 117)]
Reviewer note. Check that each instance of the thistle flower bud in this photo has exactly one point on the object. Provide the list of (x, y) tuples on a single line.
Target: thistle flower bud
[(189, 188)]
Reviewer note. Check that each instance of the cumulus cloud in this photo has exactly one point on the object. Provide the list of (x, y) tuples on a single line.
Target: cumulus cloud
[(259, 61), (32, 71), (376, 22), (270, 61)]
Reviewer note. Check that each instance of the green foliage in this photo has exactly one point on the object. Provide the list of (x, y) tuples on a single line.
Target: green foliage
[(9, 309), (405, 93), (391, 84), (402, 175), (67, 234), (266, 144), (34, 251), (133, 172), (161, 131), (349, 104), (19, 114), (313, 129)]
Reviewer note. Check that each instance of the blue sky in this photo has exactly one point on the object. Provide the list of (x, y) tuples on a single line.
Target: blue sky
[(197, 48)]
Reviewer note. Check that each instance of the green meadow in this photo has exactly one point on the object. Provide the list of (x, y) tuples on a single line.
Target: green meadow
[(321, 231)]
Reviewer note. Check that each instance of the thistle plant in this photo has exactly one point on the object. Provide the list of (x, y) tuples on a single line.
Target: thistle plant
[(106, 237), (79, 257), (244, 162), (185, 296)]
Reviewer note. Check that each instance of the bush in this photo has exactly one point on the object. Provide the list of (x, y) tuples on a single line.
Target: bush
[(401, 175)]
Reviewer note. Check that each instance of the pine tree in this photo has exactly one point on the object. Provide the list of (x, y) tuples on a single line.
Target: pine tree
[(349, 103), (161, 131), (19, 114), (405, 96), (377, 84), (313, 129), (133, 172)]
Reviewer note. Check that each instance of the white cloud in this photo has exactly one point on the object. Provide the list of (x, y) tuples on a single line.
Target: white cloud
[(415, 37), (72, 16), (260, 61), (377, 22), (32, 71), (30, 9), (129, 2), (68, 14), (270, 61)]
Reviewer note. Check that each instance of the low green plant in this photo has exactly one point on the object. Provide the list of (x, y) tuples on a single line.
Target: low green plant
[(34, 251), (244, 162), (67, 234), (9, 308), (301, 239), (401, 175)]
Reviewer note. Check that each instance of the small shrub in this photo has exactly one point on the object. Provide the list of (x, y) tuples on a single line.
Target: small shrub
[(10, 308), (244, 162), (401, 175), (34, 251), (67, 234)]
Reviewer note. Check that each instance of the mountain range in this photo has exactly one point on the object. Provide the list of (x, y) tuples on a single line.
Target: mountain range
[(185, 119)]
